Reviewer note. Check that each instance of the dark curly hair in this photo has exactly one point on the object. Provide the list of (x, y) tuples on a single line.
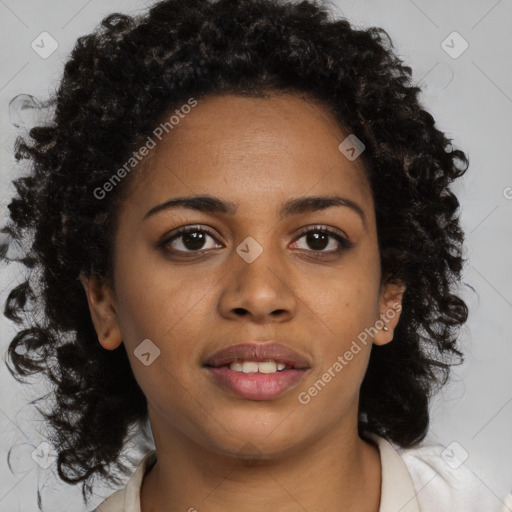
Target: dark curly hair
[(116, 85)]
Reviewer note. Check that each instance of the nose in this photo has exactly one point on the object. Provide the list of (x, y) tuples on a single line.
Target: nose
[(260, 290)]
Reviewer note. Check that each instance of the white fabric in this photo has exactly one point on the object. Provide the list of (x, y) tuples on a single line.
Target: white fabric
[(413, 480), (440, 487), (507, 503)]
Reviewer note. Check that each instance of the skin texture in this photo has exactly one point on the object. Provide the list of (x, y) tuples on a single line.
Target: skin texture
[(256, 153)]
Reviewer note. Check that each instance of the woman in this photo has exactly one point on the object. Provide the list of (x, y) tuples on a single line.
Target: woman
[(242, 231)]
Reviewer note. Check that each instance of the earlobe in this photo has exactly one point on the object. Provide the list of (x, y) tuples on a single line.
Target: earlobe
[(389, 312), (103, 311)]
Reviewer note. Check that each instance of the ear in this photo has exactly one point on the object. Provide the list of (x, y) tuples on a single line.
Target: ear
[(390, 308), (102, 306)]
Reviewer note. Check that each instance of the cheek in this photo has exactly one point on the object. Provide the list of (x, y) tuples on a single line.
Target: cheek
[(152, 296), (345, 307), (163, 309), (172, 309), (342, 359), (346, 303)]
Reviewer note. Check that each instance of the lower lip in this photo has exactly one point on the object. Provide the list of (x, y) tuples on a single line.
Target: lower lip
[(256, 386)]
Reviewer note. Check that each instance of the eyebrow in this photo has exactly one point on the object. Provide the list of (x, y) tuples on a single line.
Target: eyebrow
[(295, 206)]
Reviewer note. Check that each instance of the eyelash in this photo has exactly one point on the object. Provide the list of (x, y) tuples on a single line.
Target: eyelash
[(344, 242)]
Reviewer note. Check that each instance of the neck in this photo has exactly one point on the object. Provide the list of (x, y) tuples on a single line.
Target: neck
[(338, 471)]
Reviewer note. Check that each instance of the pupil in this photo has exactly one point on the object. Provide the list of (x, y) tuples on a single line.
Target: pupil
[(313, 239), (193, 240)]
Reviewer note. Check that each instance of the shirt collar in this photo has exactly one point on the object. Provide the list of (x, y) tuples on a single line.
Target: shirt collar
[(132, 490), (397, 489)]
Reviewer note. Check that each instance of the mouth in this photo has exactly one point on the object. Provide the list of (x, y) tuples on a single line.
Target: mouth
[(256, 371)]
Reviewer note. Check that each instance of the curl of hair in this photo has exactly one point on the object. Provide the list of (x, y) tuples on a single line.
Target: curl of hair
[(116, 86)]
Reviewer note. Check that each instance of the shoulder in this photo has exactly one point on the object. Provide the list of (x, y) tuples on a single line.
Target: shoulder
[(444, 481)]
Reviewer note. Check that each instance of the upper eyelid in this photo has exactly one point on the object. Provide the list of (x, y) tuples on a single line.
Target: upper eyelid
[(322, 227)]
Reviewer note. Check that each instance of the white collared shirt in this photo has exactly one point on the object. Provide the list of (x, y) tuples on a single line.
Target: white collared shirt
[(413, 480)]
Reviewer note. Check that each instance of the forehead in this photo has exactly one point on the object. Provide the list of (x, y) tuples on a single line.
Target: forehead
[(281, 145)]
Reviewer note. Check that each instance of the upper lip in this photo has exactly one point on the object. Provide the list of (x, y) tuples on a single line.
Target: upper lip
[(258, 352)]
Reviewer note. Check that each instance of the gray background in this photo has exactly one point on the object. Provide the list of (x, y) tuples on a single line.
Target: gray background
[(471, 99)]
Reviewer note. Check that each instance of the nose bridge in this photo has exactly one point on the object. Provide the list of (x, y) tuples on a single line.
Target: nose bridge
[(258, 283), (260, 263), (259, 248)]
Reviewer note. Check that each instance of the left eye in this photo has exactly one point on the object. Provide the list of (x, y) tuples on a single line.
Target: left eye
[(318, 239)]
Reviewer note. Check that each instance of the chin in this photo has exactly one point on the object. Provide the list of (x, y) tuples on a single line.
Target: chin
[(253, 441)]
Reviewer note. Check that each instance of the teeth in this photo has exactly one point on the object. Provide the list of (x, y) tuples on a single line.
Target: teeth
[(237, 366), (254, 366), (267, 367), (250, 367)]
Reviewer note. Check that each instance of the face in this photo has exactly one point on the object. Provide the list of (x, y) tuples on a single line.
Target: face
[(305, 277)]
